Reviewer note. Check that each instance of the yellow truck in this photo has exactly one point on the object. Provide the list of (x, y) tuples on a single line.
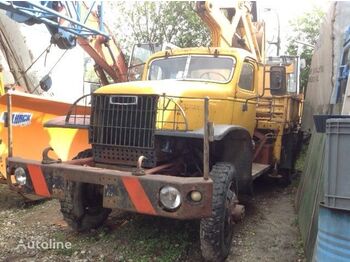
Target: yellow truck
[(185, 142)]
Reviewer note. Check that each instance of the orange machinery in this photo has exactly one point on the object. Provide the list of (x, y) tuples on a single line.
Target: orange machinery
[(29, 113)]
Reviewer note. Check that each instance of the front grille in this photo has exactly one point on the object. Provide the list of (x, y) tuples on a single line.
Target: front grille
[(122, 121), (123, 155)]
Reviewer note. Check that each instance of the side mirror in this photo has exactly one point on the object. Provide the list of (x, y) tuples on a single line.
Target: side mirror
[(46, 83), (278, 86)]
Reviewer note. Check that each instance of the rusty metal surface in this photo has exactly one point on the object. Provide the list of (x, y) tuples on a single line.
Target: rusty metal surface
[(48, 160), (122, 190), (123, 155), (264, 150), (139, 171), (160, 168), (81, 161)]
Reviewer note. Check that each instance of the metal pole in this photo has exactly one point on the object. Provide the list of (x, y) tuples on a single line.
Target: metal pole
[(206, 140), (279, 34), (9, 125)]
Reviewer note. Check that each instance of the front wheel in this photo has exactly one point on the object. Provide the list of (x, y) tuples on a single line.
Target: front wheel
[(82, 207), (216, 232)]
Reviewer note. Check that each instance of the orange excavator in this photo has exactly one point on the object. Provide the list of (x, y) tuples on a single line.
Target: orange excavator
[(73, 22), (69, 23)]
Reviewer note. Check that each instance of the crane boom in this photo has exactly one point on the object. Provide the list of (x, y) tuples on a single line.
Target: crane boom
[(231, 25), (71, 22)]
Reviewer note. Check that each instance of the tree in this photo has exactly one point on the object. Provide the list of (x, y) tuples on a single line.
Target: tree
[(304, 35), (174, 22)]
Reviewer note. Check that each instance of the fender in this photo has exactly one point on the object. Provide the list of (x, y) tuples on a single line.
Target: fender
[(231, 143), (220, 131)]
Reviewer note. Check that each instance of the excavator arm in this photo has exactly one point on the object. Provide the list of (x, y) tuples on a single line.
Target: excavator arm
[(71, 22), (104, 51)]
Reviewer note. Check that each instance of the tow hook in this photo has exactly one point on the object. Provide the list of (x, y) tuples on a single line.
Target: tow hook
[(47, 159), (139, 171), (237, 213)]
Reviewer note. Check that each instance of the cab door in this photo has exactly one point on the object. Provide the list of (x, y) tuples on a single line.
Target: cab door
[(244, 112)]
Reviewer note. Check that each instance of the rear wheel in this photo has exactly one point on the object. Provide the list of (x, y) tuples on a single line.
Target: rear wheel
[(290, 150), (82, 205), (286, 177), (216, 232)]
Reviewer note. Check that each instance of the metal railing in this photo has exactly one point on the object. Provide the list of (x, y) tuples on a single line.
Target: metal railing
[(169, 113), (79, 112)]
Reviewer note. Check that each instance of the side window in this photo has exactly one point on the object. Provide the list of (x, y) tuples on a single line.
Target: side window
[(156, 73), (246, 79)]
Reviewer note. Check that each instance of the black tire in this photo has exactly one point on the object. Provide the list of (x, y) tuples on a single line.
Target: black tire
[(82, 205), (286, 177), (216, 232)]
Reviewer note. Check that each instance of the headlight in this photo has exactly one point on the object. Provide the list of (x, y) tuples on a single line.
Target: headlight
[(170, 197), (196, 196), (20, 175)]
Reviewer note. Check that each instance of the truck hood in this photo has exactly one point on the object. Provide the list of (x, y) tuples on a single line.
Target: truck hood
[(169, 87)]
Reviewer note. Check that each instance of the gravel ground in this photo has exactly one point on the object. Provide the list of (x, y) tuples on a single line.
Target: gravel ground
[(268, 233)]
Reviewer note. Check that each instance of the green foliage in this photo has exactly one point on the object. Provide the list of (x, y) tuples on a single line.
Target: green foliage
[(174, 22), (137, 238), (305, 28)]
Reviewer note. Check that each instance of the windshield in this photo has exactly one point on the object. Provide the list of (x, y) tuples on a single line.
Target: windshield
[(207, 68)]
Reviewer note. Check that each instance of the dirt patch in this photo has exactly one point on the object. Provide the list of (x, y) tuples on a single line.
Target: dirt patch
[(268, 233)]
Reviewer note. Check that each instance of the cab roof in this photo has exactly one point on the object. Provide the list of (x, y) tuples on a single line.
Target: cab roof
[(237, 52)]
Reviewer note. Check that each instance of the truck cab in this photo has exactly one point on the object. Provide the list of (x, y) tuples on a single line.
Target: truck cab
[(181, 142), (225, 74)]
